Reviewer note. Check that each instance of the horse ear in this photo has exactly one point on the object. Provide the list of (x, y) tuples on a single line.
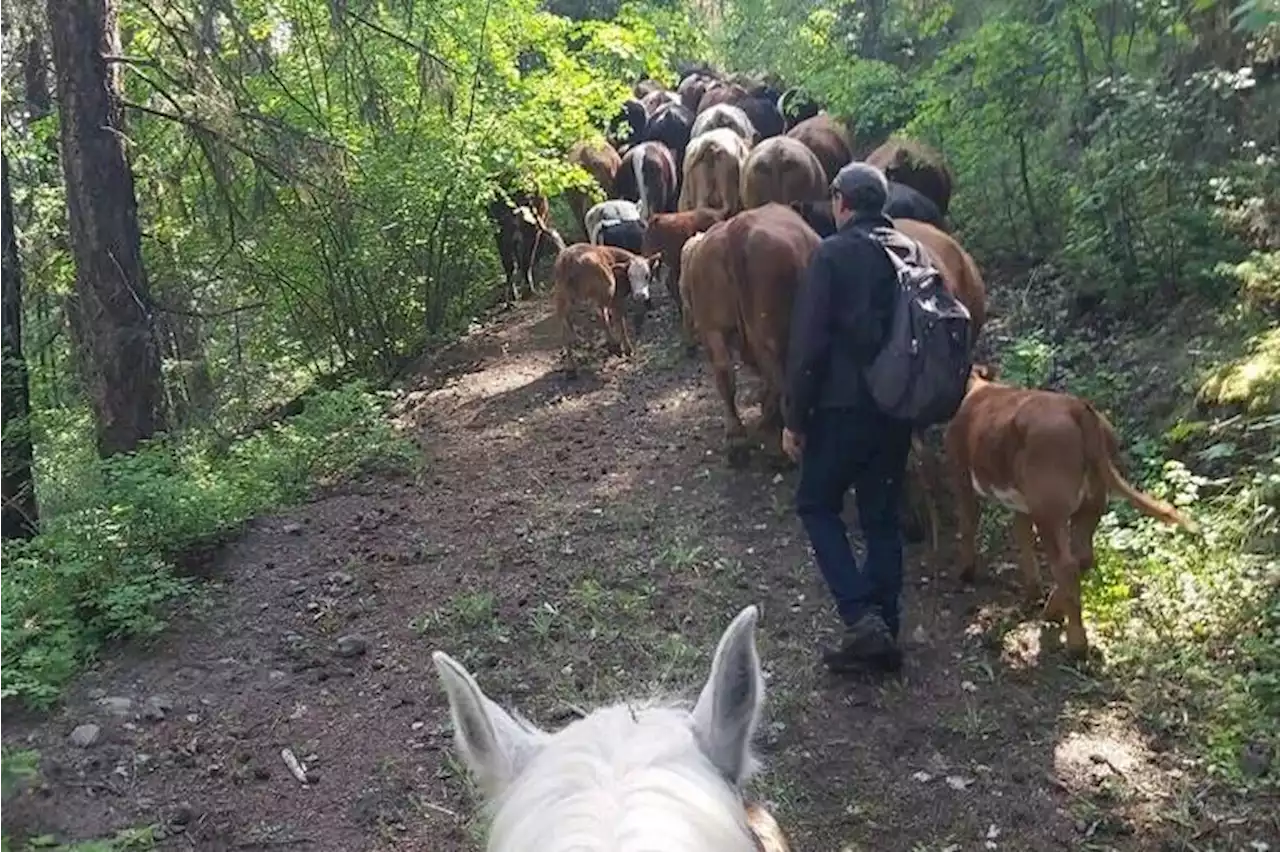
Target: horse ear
[(495, 746), (727, 712)]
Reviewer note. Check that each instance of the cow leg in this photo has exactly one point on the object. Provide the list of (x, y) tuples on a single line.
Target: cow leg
[(532, 236), (918, 494), (771, 406), (722, 368), (1025, 535), (507, 250), (606, 320), (968, 513), (671, 280), (620, 317), (566, 322), (1083, 525), (1064, 600)]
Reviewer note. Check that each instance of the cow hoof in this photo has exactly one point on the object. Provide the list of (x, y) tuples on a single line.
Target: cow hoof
[(738, 456), (1078, 653), (966, 576)]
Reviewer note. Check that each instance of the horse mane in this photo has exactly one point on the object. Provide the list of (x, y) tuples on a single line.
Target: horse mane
[(627, 777)]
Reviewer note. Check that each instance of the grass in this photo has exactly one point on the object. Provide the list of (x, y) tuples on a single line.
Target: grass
[(114, 532)]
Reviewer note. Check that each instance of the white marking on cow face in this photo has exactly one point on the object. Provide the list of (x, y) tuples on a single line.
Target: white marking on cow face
[(638, 274)]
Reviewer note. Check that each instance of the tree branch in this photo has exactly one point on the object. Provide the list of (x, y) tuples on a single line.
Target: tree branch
[(404, 41)]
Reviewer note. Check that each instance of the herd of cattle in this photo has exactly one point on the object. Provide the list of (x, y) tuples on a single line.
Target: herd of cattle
[(722, 189)]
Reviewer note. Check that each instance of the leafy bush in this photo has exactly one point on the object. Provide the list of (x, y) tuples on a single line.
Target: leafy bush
[(102, 567), (1192, 627)]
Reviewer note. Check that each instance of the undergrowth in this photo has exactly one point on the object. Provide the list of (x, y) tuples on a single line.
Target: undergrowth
[(104, 564)]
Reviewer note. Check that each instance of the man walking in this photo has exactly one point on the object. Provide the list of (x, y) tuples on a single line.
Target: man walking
[(834, 428)]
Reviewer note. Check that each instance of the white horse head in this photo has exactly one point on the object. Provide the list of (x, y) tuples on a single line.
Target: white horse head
[(625, 778)]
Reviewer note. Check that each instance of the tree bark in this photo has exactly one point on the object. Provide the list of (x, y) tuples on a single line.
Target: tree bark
[(113, 323), (19, 517)]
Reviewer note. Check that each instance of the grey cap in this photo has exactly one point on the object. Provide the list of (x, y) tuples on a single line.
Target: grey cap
[(863, 186)]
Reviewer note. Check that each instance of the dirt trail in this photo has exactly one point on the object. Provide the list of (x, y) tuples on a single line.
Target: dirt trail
[(571, 542)]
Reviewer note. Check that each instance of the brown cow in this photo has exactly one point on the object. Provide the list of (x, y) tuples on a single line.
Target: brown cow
[(720, 93), (828, 140), (738, 283), (961, 275), (667, 234), (601, 276), (693, 87), (918, 166), (964, 281), (713, 172), (781, 170), (1051, 458), (601, 161)]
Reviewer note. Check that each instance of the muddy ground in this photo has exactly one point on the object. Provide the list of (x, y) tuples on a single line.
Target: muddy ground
[(574, 542)]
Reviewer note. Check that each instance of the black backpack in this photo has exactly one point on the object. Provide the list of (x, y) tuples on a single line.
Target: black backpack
[(922, 371)]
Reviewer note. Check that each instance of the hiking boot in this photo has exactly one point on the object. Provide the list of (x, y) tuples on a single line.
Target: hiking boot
[(868, 646)]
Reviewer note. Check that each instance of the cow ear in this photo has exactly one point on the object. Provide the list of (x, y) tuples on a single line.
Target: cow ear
[(495, 746), (728, 710)]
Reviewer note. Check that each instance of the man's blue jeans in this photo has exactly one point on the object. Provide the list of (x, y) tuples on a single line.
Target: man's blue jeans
[(864, 449)]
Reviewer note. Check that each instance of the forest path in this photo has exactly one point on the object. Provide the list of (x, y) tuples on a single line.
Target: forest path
[(574, 542)]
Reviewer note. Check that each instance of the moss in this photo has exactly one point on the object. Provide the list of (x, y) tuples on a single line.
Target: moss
[(1250, 383)]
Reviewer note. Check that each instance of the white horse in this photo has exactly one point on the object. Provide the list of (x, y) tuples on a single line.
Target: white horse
[(626, 778)]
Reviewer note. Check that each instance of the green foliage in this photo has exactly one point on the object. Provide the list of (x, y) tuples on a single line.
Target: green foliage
[(1192, 627), (1027, 361), (17, 768), (138, 839), (102, 567)]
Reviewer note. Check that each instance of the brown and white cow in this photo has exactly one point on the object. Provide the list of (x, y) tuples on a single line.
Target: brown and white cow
[(667, 234), (781, 170), (605, 278), (828, 141), (738, 283), (727, 116), (649, 176), (713, 172), (1050, 458)]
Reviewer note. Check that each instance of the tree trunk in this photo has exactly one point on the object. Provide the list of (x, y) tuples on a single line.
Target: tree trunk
[(19, 517), (36, 79), (113, 326)]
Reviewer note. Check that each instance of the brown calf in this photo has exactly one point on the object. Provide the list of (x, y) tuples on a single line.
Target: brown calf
[(666, 236), (601, 276), (738, 284), (1050, 457)]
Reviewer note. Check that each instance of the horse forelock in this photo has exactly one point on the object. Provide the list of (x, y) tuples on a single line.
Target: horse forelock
[(626, 778)]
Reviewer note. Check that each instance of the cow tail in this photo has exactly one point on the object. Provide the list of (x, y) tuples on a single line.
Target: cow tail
[(1101, 446)]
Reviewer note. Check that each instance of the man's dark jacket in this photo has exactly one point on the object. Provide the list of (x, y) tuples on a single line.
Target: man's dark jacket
[(839, 321)]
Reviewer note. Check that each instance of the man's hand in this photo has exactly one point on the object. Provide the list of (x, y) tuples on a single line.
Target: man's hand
[(792, 444)]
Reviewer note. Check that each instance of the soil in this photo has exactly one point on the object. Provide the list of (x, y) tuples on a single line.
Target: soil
[(574, 542)]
